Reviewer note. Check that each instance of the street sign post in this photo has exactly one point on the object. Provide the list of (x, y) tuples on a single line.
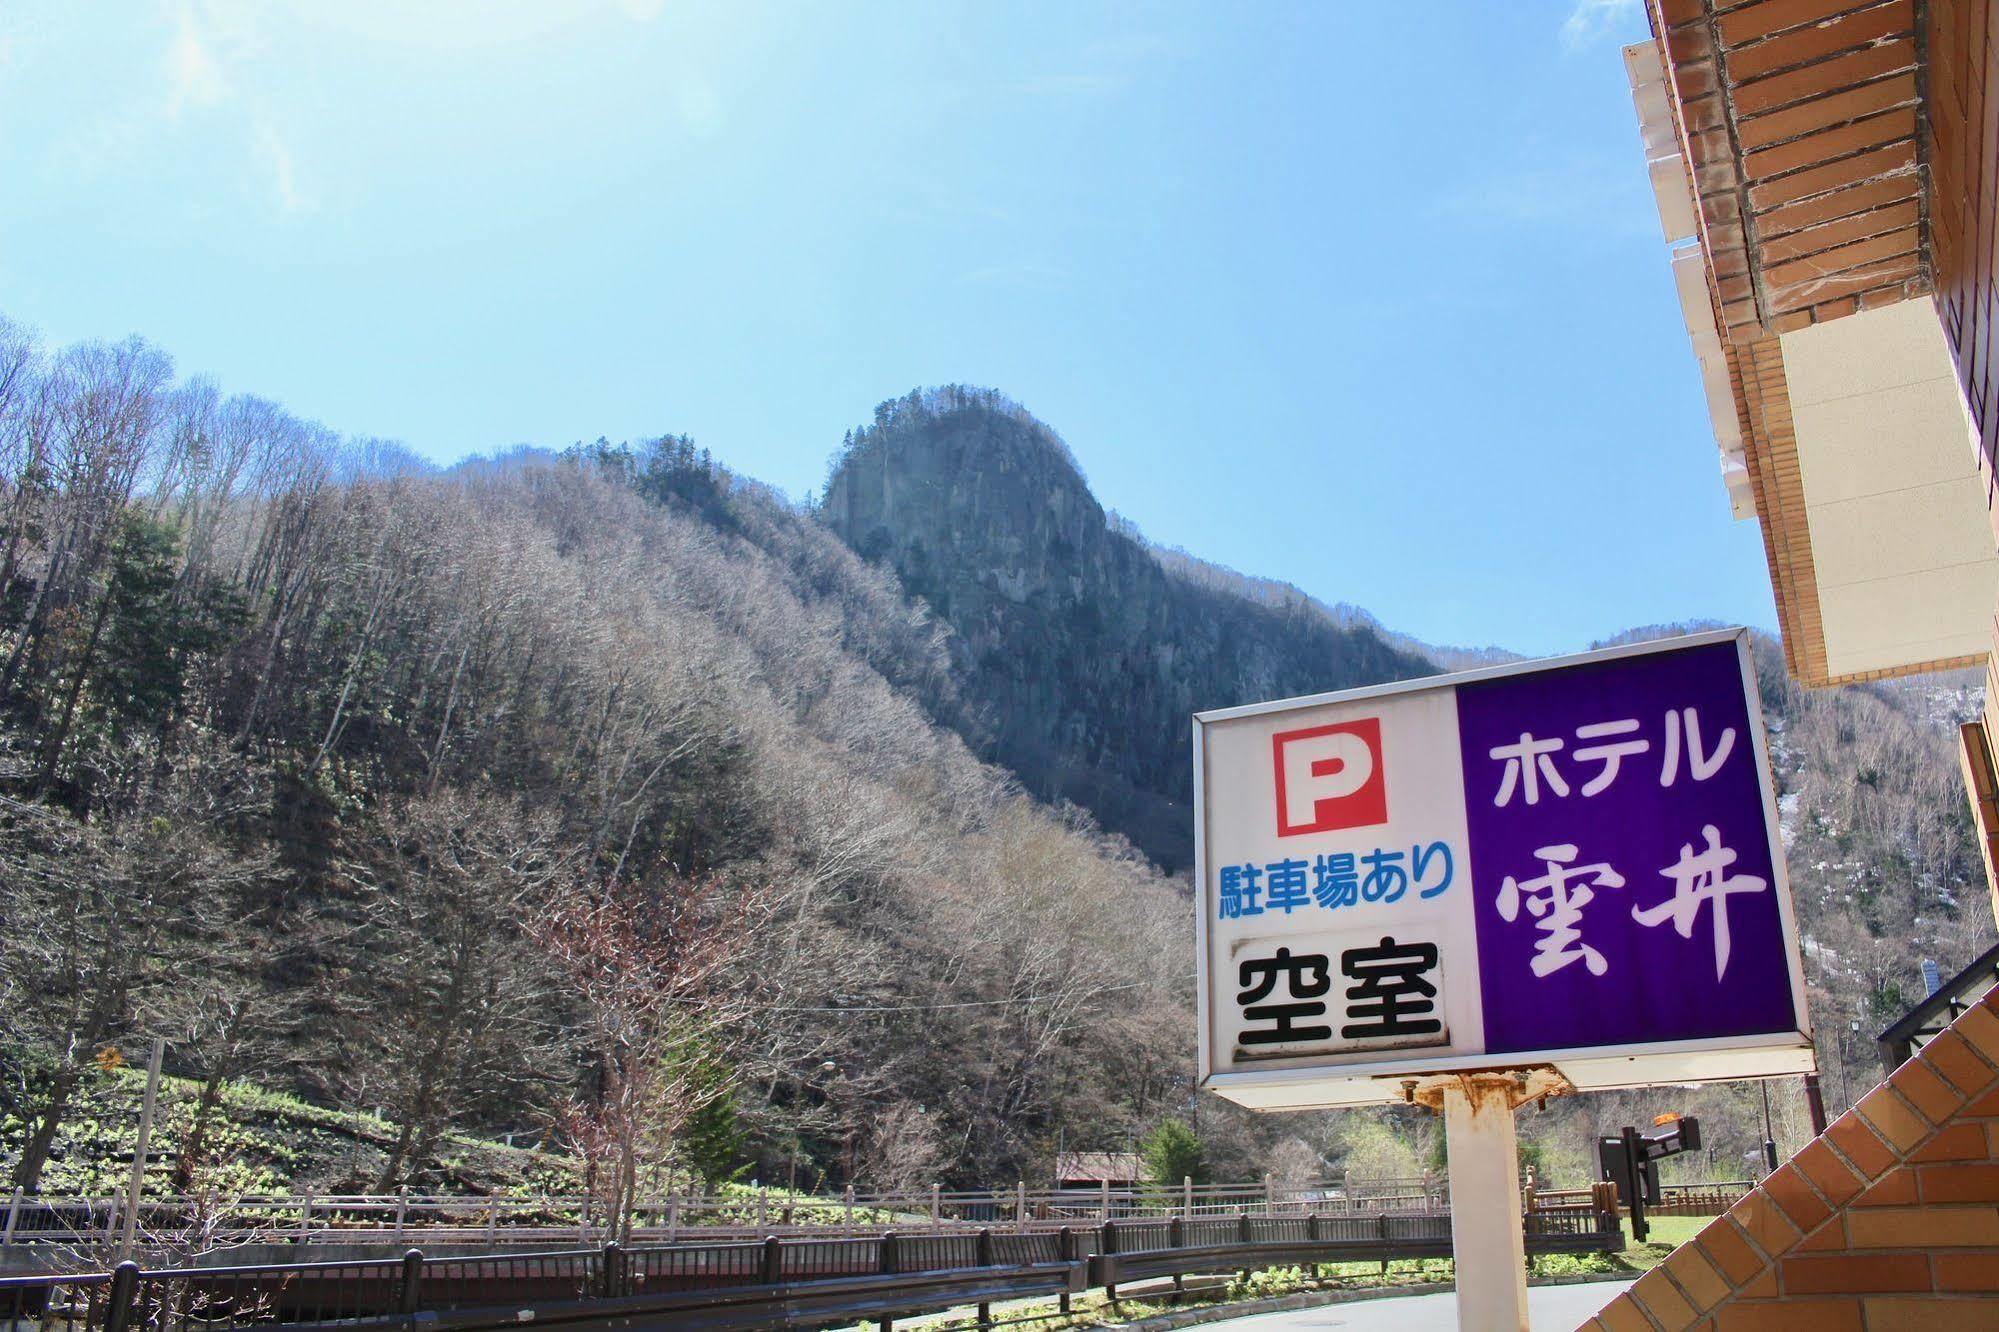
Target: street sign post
[(1626, 1161), (1481, 888)]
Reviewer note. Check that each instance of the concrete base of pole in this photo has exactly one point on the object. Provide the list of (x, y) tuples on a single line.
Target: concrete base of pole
[(1487, 1242)]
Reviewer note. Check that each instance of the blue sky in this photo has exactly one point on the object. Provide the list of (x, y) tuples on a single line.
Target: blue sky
[(1369, 297)]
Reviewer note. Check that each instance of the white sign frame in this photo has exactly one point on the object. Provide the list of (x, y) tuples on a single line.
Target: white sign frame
[(1319, 1082)]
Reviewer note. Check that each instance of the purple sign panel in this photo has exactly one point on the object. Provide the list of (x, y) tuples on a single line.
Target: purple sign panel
[(1620, 848)]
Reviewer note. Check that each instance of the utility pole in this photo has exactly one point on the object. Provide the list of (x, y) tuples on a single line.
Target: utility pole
[(1845, 1085), (1769, 1139), (1634, 1189), (136, 1187)]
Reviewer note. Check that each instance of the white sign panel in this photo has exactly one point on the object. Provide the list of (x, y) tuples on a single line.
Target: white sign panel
[(1571, 862)]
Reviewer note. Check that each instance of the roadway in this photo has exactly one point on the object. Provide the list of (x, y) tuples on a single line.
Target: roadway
[(1552, 1309)]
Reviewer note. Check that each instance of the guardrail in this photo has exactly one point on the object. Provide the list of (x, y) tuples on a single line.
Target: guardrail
[(775, 1282), (1937, 1010), (554, 1220), (1710, 1198)]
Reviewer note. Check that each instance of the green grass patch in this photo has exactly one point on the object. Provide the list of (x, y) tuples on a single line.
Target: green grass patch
[(258, 1142), (1666, 1233)]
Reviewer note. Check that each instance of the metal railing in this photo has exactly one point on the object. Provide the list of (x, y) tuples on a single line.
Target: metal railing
[(496, 1220), (1709, 1198), (1926, 1020), (773, 1282)]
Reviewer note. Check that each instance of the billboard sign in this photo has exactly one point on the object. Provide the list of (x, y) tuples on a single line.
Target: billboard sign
[(1571, 863)]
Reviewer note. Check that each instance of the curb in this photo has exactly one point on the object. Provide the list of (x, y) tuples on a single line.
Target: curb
[(1315, 1299)]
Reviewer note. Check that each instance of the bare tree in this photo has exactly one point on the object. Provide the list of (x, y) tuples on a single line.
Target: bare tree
[(102, 408), (904, 1151), (643, 966), (449, 1006), (1293, 1161), (99, 918)]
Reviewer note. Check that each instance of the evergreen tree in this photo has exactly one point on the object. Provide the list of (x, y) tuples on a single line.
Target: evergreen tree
[(714, 1144), (1172, 1153), (156, 628)]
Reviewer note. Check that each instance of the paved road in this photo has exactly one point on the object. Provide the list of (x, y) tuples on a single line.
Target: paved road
[(1553, 1309)]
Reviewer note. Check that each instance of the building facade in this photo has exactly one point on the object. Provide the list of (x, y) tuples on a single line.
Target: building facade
[(1825, 175)]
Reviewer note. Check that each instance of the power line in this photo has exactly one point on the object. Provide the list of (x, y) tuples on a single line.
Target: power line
[(925, 1008)]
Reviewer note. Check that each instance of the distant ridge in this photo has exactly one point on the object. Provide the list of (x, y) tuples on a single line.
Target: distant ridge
[(1344, 614)]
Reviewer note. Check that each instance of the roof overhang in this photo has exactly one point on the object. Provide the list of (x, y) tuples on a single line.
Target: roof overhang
[(1785, 143)]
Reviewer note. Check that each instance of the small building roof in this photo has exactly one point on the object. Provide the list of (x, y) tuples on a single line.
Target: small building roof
[(1114, 1167)]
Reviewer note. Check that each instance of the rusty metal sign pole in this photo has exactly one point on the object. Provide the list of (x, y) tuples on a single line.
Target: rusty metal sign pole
[(1488, 1225), (1487, 1241)]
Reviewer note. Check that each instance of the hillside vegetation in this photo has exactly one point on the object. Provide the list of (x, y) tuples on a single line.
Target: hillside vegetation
[(586, 793), (262, 1143), (611, 799), (1090, 646)]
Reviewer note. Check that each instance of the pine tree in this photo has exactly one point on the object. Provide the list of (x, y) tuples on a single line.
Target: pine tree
[(713, 1143), (1172, 1153)]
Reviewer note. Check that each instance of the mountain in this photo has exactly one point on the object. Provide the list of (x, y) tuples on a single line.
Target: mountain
[(1080, 650), (594, 797), (1084, 649), (609, 798)]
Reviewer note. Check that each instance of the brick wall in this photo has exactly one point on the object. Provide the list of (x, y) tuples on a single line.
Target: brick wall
[(1890, 1220)]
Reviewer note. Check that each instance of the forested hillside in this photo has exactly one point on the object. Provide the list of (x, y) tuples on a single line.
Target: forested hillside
[(517, 797), (1090, 646), (613, 800)]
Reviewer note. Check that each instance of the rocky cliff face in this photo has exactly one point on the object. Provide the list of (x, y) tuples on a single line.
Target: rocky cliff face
[(1086, 654)]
